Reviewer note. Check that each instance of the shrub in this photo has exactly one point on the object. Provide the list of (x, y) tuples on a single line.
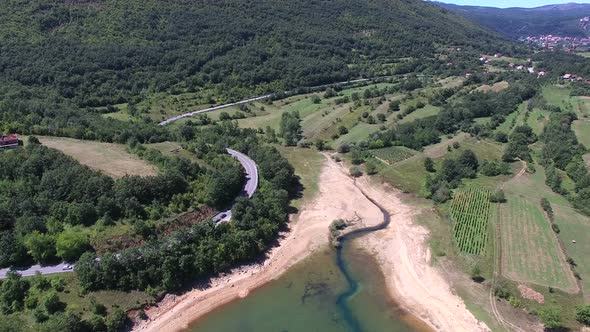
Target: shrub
[(344, 148), (498, 197), (555, 228), (583, 314), (547, 208), (551, 317), (371, 166), (429, 165), (316, 99), (355, 171)]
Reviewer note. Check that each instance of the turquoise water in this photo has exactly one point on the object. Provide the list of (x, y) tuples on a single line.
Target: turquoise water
[(313, 296)]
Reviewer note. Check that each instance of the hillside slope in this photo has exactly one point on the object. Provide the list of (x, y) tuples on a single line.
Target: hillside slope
[(559, 20), (102, 52)]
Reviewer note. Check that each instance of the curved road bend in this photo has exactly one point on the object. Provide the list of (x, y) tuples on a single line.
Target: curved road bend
[(251, 182), (249, 189)]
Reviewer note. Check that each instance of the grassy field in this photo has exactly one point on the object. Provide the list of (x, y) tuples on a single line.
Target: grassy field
[(81, 304), (537, 120), (112, 159), (424, 112), (497, 87), (470, 210), (575, 226), (508, 124), (582, 130), (361, 131), (530, 249), (556, 95), (308, 165), (407, 175), (393, 154)]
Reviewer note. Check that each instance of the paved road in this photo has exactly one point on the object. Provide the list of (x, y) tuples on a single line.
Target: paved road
[(251, 182), (245, 101), (211, 109), (60, 268)]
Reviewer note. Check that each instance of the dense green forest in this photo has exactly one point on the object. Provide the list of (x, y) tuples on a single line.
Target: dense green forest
[(71, 60), (557, 20), (47, 199), (46, 196)]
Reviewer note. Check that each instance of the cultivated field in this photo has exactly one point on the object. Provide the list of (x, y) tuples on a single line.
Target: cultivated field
[(112, 159), (393, 154), (470, 210), (530, 250)]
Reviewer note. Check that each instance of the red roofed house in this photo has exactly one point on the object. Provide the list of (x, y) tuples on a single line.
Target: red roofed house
[(9, 141)]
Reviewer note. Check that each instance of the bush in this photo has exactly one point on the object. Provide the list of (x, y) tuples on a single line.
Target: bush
[(583, 314), (344, 148), (548, 209), (498, 197), (551, 316), (355, 171), (316, 99), (429, 165), (371, 166), (555, 228), (502, 291)]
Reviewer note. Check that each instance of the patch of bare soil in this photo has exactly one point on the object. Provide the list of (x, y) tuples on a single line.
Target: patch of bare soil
[(531, 294)]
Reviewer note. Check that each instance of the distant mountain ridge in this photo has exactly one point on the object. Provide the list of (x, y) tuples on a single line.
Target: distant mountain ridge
[(559, 19)]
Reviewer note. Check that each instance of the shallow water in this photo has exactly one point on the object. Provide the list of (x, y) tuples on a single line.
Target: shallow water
[(310, 297)]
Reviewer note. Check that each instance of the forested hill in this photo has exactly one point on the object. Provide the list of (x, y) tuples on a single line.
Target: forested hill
[(559, 20), (103, 52)]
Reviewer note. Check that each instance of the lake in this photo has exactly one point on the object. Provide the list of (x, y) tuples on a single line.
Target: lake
[(306, 298)]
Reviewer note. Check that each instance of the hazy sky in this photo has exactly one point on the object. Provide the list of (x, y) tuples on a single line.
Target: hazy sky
[(511, 3)]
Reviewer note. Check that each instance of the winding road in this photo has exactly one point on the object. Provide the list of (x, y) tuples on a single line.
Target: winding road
[(251, 182), (249, 189)]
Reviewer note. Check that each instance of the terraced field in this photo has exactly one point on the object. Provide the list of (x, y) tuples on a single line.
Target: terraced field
[(530, 250), (470, 211)]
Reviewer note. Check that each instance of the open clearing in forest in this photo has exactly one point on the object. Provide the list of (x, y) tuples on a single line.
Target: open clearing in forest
[(111, 159), (470, 210), (530, 249)]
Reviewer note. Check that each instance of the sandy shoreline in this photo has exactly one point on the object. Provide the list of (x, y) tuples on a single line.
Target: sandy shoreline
[(404, 257), (400, 249), (337, 198)]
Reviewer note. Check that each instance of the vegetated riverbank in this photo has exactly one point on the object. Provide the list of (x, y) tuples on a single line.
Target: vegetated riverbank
[(338, 198), (401, 250), (404, 257)]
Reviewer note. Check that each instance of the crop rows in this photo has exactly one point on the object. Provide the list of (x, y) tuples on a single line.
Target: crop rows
[(470, 211), (393, 154)]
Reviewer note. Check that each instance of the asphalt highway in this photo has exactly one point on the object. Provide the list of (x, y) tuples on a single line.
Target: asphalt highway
[(251, 182), (60, 268)]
